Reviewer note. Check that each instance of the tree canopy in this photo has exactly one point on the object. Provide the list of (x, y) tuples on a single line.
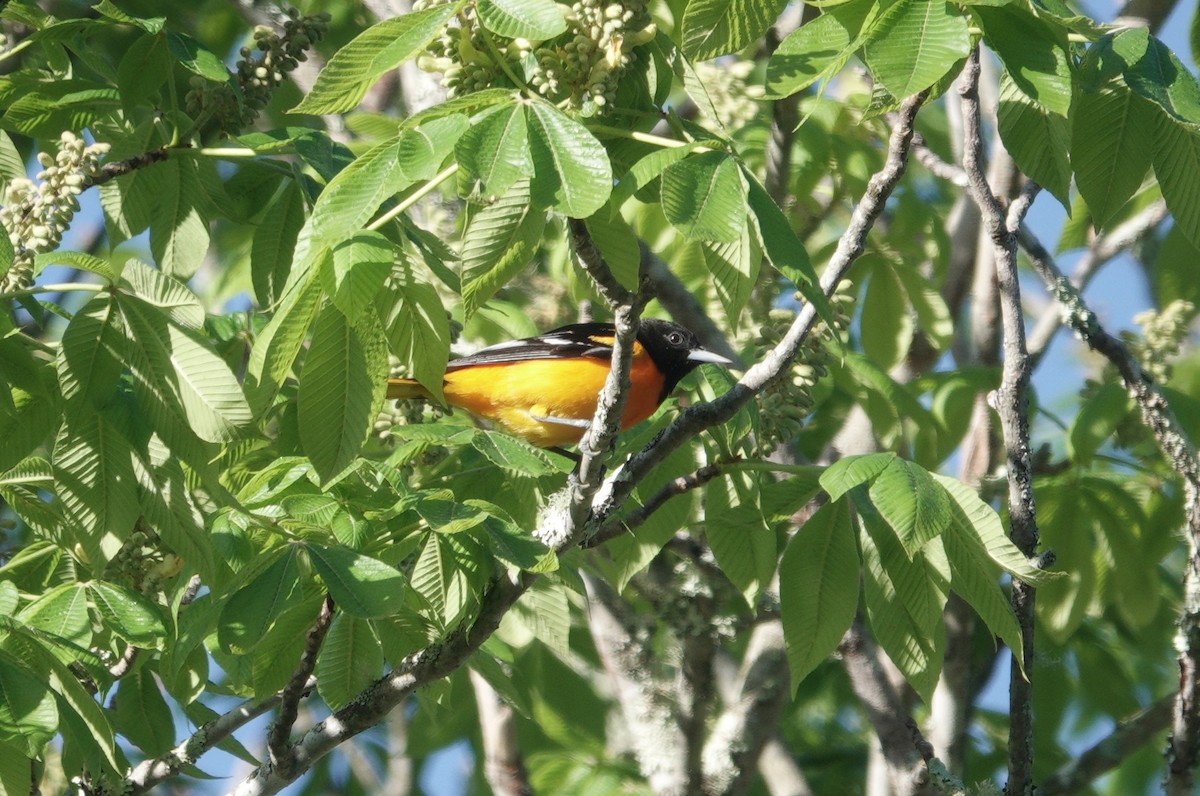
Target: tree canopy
[(817, 571)]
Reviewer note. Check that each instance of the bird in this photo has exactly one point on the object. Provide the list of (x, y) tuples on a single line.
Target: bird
[(544, 389)]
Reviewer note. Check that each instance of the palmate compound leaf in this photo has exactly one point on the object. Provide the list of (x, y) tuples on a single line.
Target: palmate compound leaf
[(380, 48), (818, 588), (495, 150)]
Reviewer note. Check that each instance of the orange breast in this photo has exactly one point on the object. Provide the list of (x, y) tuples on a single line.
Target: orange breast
[(514, 395)]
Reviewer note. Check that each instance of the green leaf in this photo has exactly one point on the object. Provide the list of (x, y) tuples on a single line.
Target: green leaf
[(913, 503), (1124, 524), (350, 660), (253, 608), (91, 359), (417, 329), (7, 253), (784, 249), (127, 613), (422, 149), (1067, 527), (356, 272), (275, 243), (181, 380), (93, 473), (847, 473), (28, 715), (141, 713), (978, 524), (144, 68), (167, 293), (618, 244), (719, 27), (1096, 421), (1109, 131), (1176, 158), (536, 20), (915, 43), (818, 49), (276, 655), (379, 49), (515, 455), (704, 196), (495, 150), (361, 586), (1152, 70), (16, 769), (571, 170), (903, 607), (339, 392), (449, 575), (546, 612), (63, 612), (740, 536), (193, 56), (734, 267), (349, 201), (1037, 138), (499, 242), (1034, 51), (279, 342), (178, 229), (818, 588), (887, 324)]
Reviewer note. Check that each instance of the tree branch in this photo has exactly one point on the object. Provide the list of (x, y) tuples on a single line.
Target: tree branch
[(1127, 737), (696, 418), (673, 488), (279, 735), (150, 773), (502, 765), (1184, 750), (1012, 404)]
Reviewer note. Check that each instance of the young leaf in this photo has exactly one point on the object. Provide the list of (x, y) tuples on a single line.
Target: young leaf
[(571, 170), (887, 324), (1176, 155), (818, 588), (275, 243), (361, 586), (178, 230), (422, 149), (535, 20), (338, 393), (93, 473), (719, 27), (1038, 139), (127, 613), (818, 49), (1035, 53), (141, 713), (618, 244), (63, 612), (704, 196), (380, 48), (498, 243), (915, 43), (28, 715), (913, 503), (252, 609), (1109, 131), (416, 326), (349, 661), (734, 267), (495, 150), (847, 473)]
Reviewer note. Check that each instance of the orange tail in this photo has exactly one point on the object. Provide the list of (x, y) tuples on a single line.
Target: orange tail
[(406, 388)]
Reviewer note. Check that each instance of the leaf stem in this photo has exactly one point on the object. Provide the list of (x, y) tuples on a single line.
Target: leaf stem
[(88, 287), (414, 197), (772, 467), (500, 60), (645, 138)]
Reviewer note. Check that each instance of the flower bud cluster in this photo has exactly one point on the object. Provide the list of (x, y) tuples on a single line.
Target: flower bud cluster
[(580, 68), (261, 69), (1163, 334), (786, 402), (37, 213), (733, 99)]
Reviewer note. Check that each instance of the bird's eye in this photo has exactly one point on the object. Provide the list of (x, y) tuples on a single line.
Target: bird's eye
[(675, 338)]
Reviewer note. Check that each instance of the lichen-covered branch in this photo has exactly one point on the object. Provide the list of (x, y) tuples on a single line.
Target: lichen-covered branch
[(1177, 449), (289, 705)]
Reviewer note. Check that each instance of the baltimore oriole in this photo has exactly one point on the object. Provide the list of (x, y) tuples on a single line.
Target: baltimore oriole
[(544, 389)]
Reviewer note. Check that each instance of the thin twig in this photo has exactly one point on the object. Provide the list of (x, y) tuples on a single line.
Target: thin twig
[(278, 736), (1012, 404), (673, 488)]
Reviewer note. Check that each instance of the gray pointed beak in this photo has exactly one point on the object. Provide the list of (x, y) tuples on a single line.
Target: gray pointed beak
[(700, 355)]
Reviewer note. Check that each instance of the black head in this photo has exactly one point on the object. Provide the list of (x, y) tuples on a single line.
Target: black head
[(674, 349)]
